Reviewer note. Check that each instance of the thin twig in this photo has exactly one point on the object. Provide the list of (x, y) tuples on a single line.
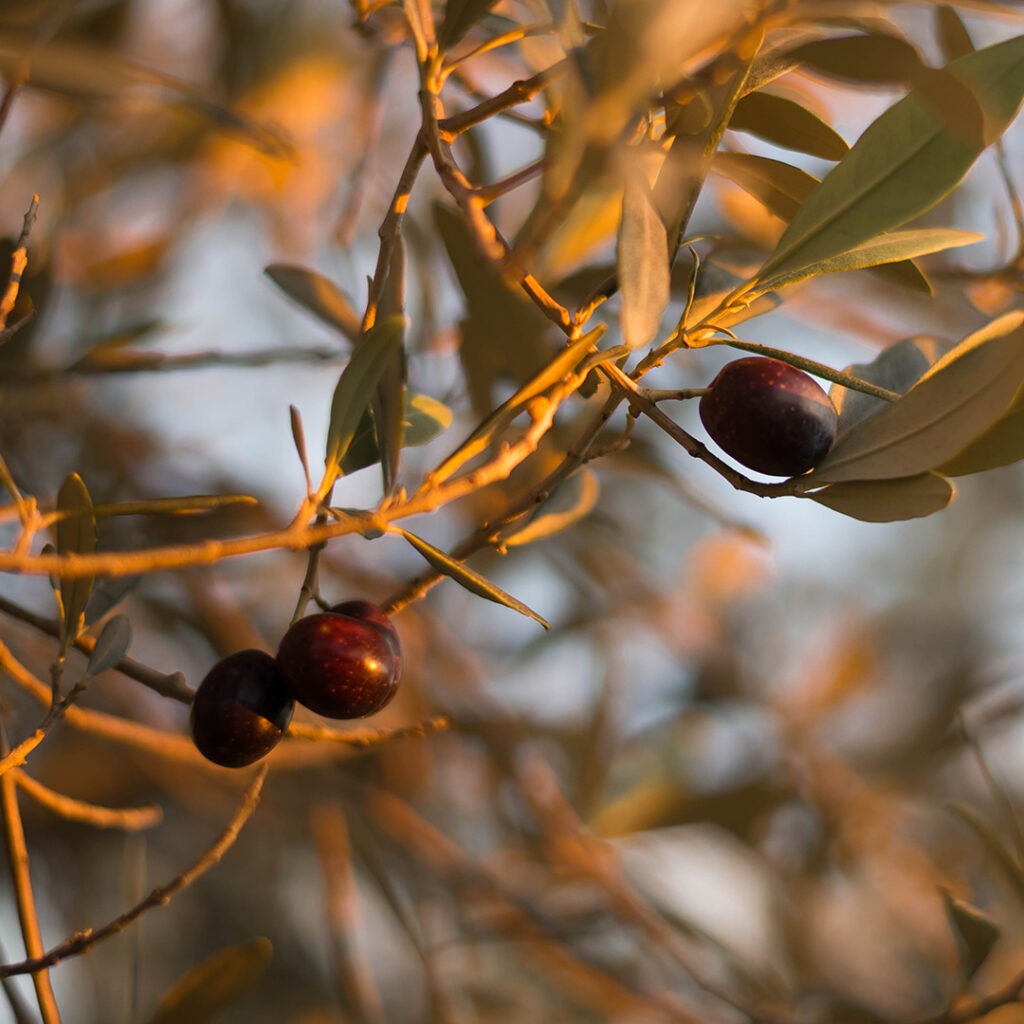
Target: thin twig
[(82, 941), (127, 819)]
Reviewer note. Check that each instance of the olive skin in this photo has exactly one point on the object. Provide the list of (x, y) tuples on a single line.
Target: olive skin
[(769, 416), (340, 665), (369, 612), (241, 709)]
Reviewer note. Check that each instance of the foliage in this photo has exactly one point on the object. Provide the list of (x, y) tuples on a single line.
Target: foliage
[(522, 236)]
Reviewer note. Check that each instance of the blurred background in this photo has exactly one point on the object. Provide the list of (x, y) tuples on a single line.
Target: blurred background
[(724, 786)]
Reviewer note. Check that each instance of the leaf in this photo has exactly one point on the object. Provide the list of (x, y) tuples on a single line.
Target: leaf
[(425, 419), (1000, 445), (573, 500), (786, 123), (994, 843), (904, 164), (459, 17), (781, 187), (214, 984), (472, 581), (887, 501), (953, 35), (871, 57), (888, 248), (355, 389), (896, 368), (111, 645), (955, 401), (389, 401), (975, 933), (642, 260), (318, 295), (76, 535)]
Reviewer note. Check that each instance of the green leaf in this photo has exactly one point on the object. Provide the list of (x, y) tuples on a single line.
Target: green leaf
[(896, 368), (781, 187), (872, 57), (955, 401), (903, 164), (318, 295), (76, 535), (997, 848), (459, 17), (389, 400), (975, 933), (888, 248), (214, 984), (786, 123), (953, 35), (425, 419), (472, 581), (111, 645), (642, 261), (356, 387), (573, 500), (1000, 445), (887, 501)]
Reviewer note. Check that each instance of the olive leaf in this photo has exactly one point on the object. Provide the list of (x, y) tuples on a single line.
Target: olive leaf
[(214, 984), (905, 162), (459, 17), (997, 848), (425, 418), (111, 646), (975, 933), (466, 577), (318, 295), (781, 187), (1000, 445), (570, 502), (887, 501), (953, 403), (789, 124), (76, 535)]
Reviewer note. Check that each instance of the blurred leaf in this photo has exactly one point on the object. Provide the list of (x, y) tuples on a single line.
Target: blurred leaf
[(76, 535), (389, 401), (955, 401), (891, 247), (425, 419), (555, 371), (1000, 445), (904, 163), (503, 334), (975, 933), (953, 35), (905, 274), (355, 389), (997, 848), (111, 646), (465, 577), (319, 295), (571, 501), (459, 17), (871, 57), (887, 501), (214, 984), (786, 123), (642, 261), (896, 368), (107, 594), (81, 70), (184, 505), (780, 186)]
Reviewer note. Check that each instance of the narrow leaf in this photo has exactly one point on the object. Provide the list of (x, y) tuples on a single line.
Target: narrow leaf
[(472, 581), (459, 17), (781, 187), (953, 35), (389, 401), (111, 645), (891, 247), (955, 402), (643, 267), (425, 419), (994, 843), (214, 984), (887, 501), (76, 535), (871, 57), (1000, 445), (786, 123), (356, 387), (904, 163), (975, 933), (318, 295), (573, 500)]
